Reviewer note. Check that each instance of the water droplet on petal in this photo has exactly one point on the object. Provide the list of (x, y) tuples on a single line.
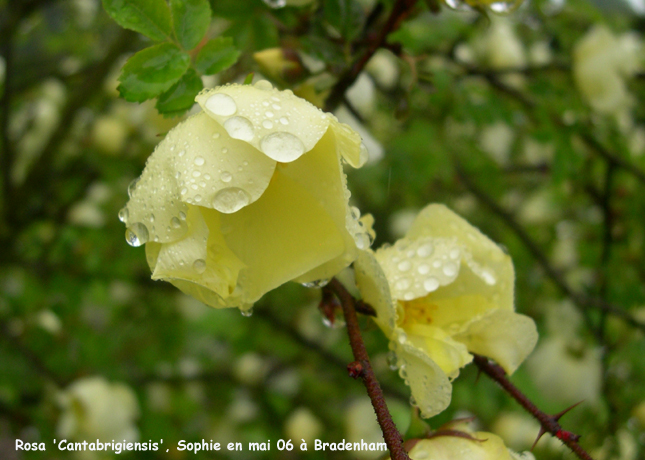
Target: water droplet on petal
[(317, 283), (488, 277), (275, 4), (454, 254), (226, 176), (431, 284), (423, 269), (267, 124), (136, 234), (425, 250), (132, 187), (404, 266), (221, 104), (263, 84), (176, 223), (284, 121), (198, 198), (182, 215), (269, 114), (239, 128), (247, 313), (199, 161), (230, 200), (392, 360), (450, 269), (282, 147), (199, 266), (124, 214), (363, 155)]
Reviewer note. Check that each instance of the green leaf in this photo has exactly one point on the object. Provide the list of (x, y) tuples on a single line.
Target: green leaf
[(216, 55), (346, 16), (148, 17), (152, 71), (190, 20), (181, 96)]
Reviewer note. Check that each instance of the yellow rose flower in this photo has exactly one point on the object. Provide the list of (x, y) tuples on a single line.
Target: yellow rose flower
[(482, 446), (247, 195), (441, 293)]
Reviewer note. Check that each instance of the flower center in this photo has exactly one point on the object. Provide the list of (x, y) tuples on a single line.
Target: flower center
[(418, 311)]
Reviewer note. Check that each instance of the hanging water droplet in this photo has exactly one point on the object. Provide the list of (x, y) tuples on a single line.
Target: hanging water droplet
[(363, 155), (317, 283), (136, 234), (226, 176), (282, 147), (247, 313), (124, 214), (132, 187), (199, 266), (239, 128), (230, 200), (221, 104), (392, 360)]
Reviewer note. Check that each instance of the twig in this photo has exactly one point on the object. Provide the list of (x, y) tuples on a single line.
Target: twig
[(399, 11), (548, 423), (363, 369), (581, 300)]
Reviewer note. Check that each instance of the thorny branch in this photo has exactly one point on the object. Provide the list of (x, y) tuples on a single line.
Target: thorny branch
[(583, 301), (362, 368), (548, 423), (399, 11)]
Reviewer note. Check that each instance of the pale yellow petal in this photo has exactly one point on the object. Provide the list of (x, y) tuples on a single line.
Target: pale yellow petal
[(280, 236), (320, 173), (415, 268), (375, 291), (494, 446), (502, 335), (155, 210), (429, 385), (449, 354), (212, 169), (349, 144), (201, 258), (278, 123), (449, 448), (486, 259)]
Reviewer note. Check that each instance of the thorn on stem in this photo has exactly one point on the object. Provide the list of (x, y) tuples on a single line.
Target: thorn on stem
[(355, 369)]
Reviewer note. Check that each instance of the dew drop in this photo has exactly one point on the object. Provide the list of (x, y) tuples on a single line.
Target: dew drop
[(423, 269), (132, 187), (230, 200), (269, 114), (136, 234), (247, 313), (392, 360), (284, 120), (450, 269), (197, 173), (181, 153), (226, 176), (183, 191), (267, 124), (363, 155), (239, 128), (199, 161), (282, 147), (488, 277), (317, 283), (454, 254), (404, 266), (175, 222), (199, 266), (182, 215), (425, 250), (124, 214), (431, 284), (216, 136), (221, 104), (263, 84), (198, 198)]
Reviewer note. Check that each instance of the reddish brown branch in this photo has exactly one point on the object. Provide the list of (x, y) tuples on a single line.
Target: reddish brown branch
[(399, 11), (548, 423), (362, 368)]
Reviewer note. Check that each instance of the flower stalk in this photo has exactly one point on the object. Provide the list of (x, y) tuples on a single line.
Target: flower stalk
[(391, 434)]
